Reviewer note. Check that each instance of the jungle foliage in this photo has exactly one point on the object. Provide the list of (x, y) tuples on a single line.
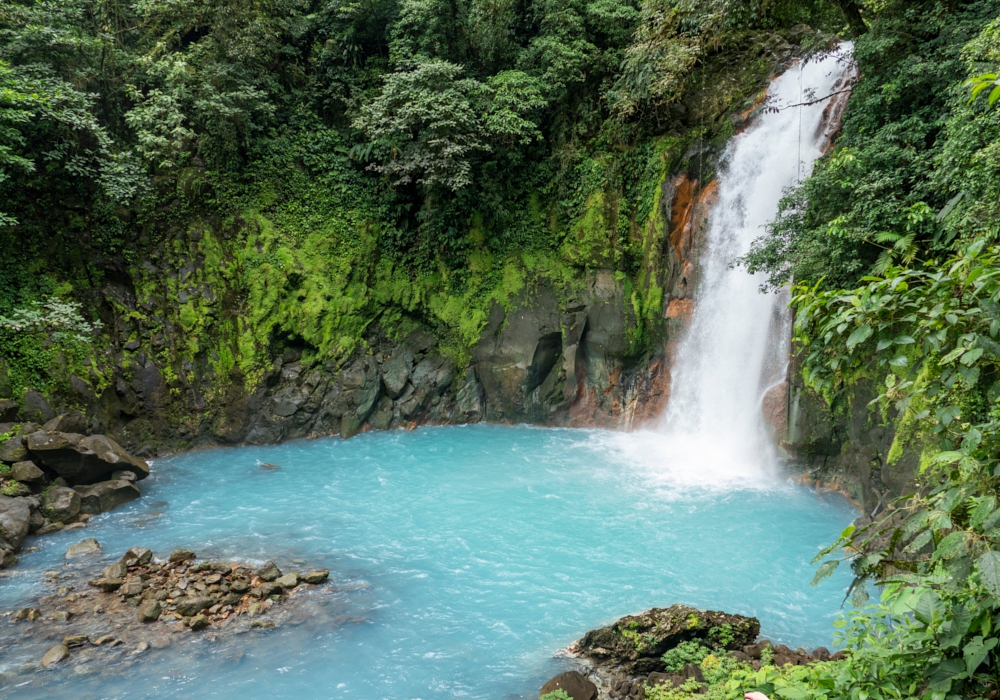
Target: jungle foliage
[(329, 164), (893, 247)]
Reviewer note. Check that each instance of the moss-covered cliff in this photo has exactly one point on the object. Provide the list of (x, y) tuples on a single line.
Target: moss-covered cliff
[(264, 226)]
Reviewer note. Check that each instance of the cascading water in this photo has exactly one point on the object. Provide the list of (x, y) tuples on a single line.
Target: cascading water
[(736, 345)]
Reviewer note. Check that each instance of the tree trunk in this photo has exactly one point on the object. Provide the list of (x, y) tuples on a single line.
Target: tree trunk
[(852, 13)]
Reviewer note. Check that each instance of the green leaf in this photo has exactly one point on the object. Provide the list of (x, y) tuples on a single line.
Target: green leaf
[(859, 335), (976, 651), (824, 572), (951, 546), (918, 543), (971, 356), (942, 674), (989, 571)]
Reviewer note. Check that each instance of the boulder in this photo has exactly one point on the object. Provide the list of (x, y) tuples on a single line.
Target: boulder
[(634, 644), (192, 605), (107, 495), (317, 576), (61, 504), (83, 460), (69, 422), (7, 558), (36, 408), (15, 520), (75, 640), (82, 548), (574, 684), (13, 450), (54, 655), (27, 472)]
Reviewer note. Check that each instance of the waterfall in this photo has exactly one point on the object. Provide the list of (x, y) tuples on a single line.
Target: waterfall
[(736, 343)]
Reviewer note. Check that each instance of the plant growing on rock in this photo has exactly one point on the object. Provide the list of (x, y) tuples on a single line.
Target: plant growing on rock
[(683, 654)]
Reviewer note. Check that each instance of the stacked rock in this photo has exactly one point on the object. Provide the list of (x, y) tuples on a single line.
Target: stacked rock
[(54, 476)]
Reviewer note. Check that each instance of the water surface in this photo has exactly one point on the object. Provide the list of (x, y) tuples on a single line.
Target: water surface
[(463, 558)]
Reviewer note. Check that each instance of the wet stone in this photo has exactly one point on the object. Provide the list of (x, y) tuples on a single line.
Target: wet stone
[(181, 555), (149, 611), (75, 640), (55, 655), (198, 622), (107, 584), (317, 576), (86, 547), (288, 580), (269, 572)]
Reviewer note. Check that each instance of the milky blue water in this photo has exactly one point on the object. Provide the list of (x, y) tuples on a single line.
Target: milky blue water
[(463, 559)]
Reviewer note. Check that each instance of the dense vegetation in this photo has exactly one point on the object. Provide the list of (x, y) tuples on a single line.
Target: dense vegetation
[(323, 166), (905, 209)]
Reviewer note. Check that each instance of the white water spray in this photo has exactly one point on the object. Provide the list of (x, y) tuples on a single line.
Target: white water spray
[(736, 346)]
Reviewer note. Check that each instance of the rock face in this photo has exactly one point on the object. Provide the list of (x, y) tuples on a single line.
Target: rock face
[(635, 643), (846, 450), (83, 460)]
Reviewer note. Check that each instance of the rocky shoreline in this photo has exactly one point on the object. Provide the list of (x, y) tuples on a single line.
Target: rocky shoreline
[(57, 476), (622, 660), (141, 602)]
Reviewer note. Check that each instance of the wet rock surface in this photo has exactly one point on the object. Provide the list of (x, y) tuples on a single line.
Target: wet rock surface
[(111, 614), (55, 479)]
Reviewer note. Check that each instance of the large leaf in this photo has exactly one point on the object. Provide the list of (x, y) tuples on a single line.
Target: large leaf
[(825, 571), (989, 571), (976, 651), (859, 335)]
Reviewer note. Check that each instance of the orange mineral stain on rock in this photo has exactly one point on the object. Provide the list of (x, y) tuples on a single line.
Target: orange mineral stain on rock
[(679, 308)]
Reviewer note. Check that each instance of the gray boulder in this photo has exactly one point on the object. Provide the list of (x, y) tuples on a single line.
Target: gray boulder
[(36, 408), (107, 495), (83, 460), (83, 548), (69, 422), (61, 504), (27, 472), (15, 519)]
